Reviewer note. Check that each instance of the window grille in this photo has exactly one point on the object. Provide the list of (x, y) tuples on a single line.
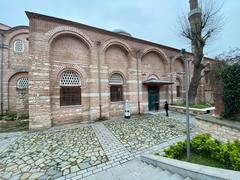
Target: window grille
[(116, 79), (22, 83), (116, 93), (70, 95), (18, 46), (70, 78), (70, 89)]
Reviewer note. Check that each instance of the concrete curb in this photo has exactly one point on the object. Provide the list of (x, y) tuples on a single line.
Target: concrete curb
[(186, 169)]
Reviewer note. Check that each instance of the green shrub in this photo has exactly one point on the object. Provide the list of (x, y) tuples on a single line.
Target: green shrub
[(231, 90), (8, 117), (199, 106), (230, 155), (205, 146), (227, 154), (176, 151)]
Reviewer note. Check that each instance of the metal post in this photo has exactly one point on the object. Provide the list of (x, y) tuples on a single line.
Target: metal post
[(187, 101), (171, 81)]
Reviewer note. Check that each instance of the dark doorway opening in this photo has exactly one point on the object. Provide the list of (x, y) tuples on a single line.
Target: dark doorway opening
[(153, 98)]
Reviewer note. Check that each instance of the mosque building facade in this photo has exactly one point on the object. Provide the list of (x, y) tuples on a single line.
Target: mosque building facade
[(58, 71)]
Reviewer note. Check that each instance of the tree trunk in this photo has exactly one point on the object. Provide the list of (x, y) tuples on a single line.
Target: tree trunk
[(198, 67), (194, 85)]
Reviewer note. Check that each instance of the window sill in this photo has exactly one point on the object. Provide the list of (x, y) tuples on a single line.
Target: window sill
[(116, 102), (70, 106)]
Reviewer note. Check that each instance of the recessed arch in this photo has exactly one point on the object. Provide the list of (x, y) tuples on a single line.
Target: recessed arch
[(157, 51), (13, 91), (119, 43), (52, 34), (69, 48), (14, 34), (116, 82), (153, 76), (120, 73)]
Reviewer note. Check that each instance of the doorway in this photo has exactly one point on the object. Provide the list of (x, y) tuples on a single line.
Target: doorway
[(153, 98)]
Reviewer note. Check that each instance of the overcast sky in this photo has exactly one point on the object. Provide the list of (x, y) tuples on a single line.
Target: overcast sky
[(152, 20)]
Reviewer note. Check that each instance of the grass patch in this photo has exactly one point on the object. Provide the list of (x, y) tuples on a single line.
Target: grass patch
[(198, 159), (13, 126), (199, 106)]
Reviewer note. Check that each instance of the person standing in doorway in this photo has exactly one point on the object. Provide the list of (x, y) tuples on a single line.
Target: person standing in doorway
[(166, 107)]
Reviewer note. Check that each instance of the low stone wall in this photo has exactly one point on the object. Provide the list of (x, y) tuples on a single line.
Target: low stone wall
[(192, 111), (222, 130)]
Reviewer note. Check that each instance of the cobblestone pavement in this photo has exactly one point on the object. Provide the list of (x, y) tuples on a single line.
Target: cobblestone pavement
[(51, 154), (145, 131), (78, 151), (7, 138)]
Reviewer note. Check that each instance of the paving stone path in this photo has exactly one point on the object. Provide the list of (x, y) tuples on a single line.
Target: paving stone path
[(112, 147), (79, 151)]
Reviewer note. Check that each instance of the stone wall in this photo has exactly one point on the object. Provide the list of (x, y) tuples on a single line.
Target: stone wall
[(222, 130)]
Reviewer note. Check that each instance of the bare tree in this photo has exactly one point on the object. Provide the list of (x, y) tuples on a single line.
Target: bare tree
[(203, 23)]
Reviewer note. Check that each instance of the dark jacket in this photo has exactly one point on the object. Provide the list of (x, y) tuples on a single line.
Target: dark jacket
[(166, 106)]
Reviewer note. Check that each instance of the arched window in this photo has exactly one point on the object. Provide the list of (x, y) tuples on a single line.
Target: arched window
[(18, 46), (116, 87), (22, 83), (178, 88), (70, 88)]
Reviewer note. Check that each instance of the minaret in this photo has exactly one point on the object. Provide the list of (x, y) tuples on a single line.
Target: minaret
[(193, 4), (194, 17)]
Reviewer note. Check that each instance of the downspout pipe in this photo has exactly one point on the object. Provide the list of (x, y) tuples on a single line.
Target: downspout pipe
[(138, 88), (98, 43), (1, 84)]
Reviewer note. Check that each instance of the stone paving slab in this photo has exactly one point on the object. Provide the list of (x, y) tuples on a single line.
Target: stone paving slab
[(145, 131), (112, 147), (51, 154)]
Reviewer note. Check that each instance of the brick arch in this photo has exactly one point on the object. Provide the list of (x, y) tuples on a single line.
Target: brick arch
[(57, 31), (180, 80), (114, 44), (15, 33), (12, 90), (158, 51), (178, 56), (117, 42), (153, 75), (118, 72), (83, 76)]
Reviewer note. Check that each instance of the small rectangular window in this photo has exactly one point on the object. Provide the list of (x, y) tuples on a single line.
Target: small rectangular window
[(116, 93), (178, 91), (70, 95)]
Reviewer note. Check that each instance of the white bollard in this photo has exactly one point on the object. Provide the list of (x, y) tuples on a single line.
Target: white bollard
[(127, 113)]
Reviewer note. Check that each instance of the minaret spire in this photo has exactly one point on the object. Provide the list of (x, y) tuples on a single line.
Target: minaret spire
[(193, 4)]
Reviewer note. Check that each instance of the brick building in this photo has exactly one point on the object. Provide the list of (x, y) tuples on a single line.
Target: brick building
[(59, 71)]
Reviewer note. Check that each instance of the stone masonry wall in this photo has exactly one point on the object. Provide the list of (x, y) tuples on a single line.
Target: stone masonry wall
[(219, 130)]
